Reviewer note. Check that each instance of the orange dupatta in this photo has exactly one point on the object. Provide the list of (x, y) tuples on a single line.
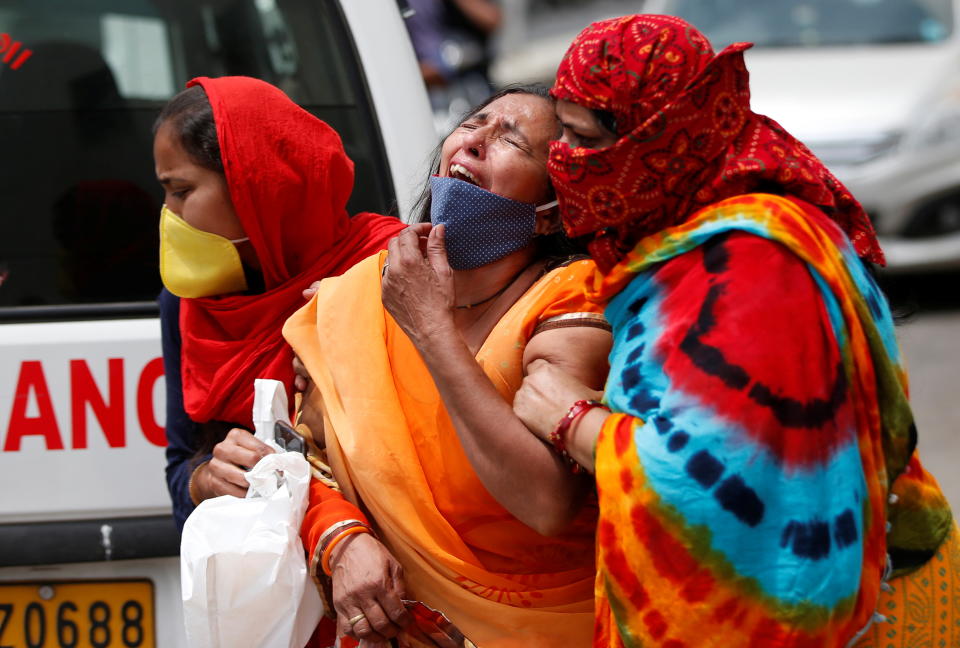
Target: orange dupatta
[(394, 450)]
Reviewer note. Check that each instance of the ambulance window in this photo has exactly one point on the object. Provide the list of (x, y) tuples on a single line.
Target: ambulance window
[(81, 82)]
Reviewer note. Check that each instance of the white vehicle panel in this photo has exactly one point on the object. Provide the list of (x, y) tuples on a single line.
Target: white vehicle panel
[(64, 389), (407, 137)]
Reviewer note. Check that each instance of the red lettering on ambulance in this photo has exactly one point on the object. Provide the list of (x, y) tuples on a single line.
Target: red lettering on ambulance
[(83, 390), (152, 432), (45, 423)]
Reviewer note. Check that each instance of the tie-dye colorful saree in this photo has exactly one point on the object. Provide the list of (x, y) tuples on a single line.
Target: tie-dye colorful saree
[(758, 481)]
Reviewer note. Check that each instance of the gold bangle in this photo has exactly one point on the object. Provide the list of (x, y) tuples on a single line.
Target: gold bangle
[(194, 497)]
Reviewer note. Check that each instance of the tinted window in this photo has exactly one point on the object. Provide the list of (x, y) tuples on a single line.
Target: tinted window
[(818, 23), (81, 82)]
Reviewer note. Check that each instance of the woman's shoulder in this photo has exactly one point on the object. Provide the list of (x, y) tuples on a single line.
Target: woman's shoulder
[(562, 290), (363, 274), (169, 303), (734, 255), (573, 269), (737, 279), (169, 320)]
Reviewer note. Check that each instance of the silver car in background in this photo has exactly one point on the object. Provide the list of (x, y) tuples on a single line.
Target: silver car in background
[(873, 88)]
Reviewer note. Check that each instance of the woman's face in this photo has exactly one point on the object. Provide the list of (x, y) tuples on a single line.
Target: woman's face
[(503, 148), (582, 128), (195, 193)]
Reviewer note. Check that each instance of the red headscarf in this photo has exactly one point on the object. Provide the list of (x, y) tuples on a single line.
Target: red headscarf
[(289, 180), (689, 138)]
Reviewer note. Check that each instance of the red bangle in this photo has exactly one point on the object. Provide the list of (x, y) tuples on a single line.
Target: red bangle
[(558, 436)]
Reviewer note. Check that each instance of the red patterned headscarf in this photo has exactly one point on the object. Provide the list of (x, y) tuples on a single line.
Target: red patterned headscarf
[(688, 138)]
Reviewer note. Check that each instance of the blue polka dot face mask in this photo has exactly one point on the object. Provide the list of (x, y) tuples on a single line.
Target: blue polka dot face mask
[(481, 227)]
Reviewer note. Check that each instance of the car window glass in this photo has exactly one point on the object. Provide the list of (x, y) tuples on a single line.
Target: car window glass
[(81, 82), (818, 23)]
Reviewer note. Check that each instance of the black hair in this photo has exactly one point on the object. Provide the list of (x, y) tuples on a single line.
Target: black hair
[(189, 112), (551, 246)]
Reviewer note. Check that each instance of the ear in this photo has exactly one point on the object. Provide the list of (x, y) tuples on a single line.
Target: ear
[(548, 221)]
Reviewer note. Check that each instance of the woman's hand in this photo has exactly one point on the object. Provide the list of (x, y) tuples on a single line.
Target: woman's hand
[(546, 396), (417, 286), (311, 417), (311, 290), (367, 580), (232, 457), (301, 377)]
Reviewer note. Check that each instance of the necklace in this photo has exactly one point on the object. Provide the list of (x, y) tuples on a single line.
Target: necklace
[(496, 294)]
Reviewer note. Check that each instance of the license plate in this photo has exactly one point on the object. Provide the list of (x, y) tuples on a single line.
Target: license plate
[(91, 614)]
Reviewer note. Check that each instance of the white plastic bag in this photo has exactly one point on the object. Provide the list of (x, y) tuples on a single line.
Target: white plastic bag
[(243, 575)]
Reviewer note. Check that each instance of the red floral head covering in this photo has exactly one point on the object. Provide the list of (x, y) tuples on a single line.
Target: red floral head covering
[(688, 138)]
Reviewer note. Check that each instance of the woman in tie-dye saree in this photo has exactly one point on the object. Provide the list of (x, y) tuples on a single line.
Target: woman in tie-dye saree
[(756, 461)]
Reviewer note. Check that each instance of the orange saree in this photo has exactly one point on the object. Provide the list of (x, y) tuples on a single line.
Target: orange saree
[(395, 452)]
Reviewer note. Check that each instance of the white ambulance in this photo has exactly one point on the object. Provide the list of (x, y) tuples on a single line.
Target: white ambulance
[(88, 550)]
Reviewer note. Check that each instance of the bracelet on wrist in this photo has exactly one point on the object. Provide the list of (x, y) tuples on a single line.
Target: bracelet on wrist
[(341, 532), (558, 437), (192, 484)]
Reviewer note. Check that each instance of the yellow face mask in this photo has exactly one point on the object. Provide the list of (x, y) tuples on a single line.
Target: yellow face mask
[(194, 263)]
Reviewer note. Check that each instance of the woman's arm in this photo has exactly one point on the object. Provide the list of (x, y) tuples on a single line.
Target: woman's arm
[(365, 577), (484, 14), (522, 473), (193, 477), (547, 393), (181, 432)]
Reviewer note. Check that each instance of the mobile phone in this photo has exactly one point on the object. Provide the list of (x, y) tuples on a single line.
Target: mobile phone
[(288, 438)]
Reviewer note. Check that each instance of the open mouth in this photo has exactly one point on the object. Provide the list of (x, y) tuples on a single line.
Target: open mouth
[(462, 173)]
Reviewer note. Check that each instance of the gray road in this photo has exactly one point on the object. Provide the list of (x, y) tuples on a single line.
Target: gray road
[(931, 345)]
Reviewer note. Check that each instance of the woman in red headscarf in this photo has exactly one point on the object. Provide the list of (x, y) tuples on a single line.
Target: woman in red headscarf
[(755, 453), (256, 191)]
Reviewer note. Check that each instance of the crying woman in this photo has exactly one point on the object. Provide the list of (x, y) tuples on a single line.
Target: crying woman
[(415, 355)]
